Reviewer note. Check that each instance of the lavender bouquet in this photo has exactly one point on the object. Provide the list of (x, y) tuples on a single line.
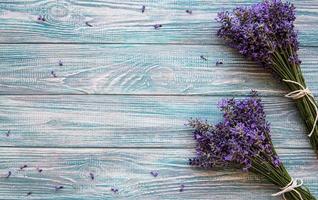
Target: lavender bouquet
[(265, 33), (242, 140)]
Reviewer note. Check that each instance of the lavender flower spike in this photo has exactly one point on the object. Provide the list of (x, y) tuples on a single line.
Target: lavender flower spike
[(265, 33), (242, 140), (230, 141), (259, 30)]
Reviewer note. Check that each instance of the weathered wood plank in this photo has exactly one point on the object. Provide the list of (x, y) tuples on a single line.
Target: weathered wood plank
[(129, 171), (112, 21), (138, 69), (126, 121)]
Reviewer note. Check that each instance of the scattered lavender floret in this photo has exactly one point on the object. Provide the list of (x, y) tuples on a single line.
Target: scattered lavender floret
[(241, 138), (9, 174), (60, 63), (154, 173), (114, 190), (39, 170), (88, 24), (157, 26), (189, 12), (59, 187), (219, 62), (41, 18), (92, 176), (143, 8), (53, 74), (182, 186), (203, 58), (23, 167)]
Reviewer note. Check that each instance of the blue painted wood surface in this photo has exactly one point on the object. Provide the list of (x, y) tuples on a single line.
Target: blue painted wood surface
[(116, 105)]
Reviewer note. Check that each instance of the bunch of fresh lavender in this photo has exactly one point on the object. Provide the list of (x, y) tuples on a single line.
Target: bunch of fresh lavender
[(265, 33), (242, 140)]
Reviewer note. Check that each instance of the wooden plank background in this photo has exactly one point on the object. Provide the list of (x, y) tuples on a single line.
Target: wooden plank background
[(118, 104)]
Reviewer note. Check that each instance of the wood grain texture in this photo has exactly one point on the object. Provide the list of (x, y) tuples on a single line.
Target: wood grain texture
[(126, 121), (129, 171), (138, 69), (116, 21), (143, 85)]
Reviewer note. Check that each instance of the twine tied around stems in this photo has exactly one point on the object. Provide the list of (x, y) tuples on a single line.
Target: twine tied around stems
[(291, 186), (297, 94)]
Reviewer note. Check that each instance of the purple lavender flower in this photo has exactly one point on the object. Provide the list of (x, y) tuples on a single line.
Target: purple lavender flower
[(114, 190), (189, 12), (203, 58), (9, 174), (154, 174), (260, 30), (182, 186), (157, 26), (242, 136), (53, 74), (41, 18), (59, 187), (219, 62), (88, 24), (23, 167), (39, 170), (242, 140), (265, 33), (92, 176)]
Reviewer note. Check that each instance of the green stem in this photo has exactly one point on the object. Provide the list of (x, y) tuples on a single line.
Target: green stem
[(280, 177), (292, 71)]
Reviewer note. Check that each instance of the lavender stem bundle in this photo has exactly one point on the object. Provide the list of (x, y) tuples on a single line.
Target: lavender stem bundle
[(265, 33), (242, 140)]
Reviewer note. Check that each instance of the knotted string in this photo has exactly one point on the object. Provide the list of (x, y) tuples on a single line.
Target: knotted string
[(297, 94), (291, 186)]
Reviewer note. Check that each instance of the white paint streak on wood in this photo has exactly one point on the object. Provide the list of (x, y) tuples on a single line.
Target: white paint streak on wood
[(126, 121), (122, 21), (129, 171), (138, 69)]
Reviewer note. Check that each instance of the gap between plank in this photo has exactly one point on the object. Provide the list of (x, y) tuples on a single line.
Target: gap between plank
[(150, 95), (129, 43), (154, 148)]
